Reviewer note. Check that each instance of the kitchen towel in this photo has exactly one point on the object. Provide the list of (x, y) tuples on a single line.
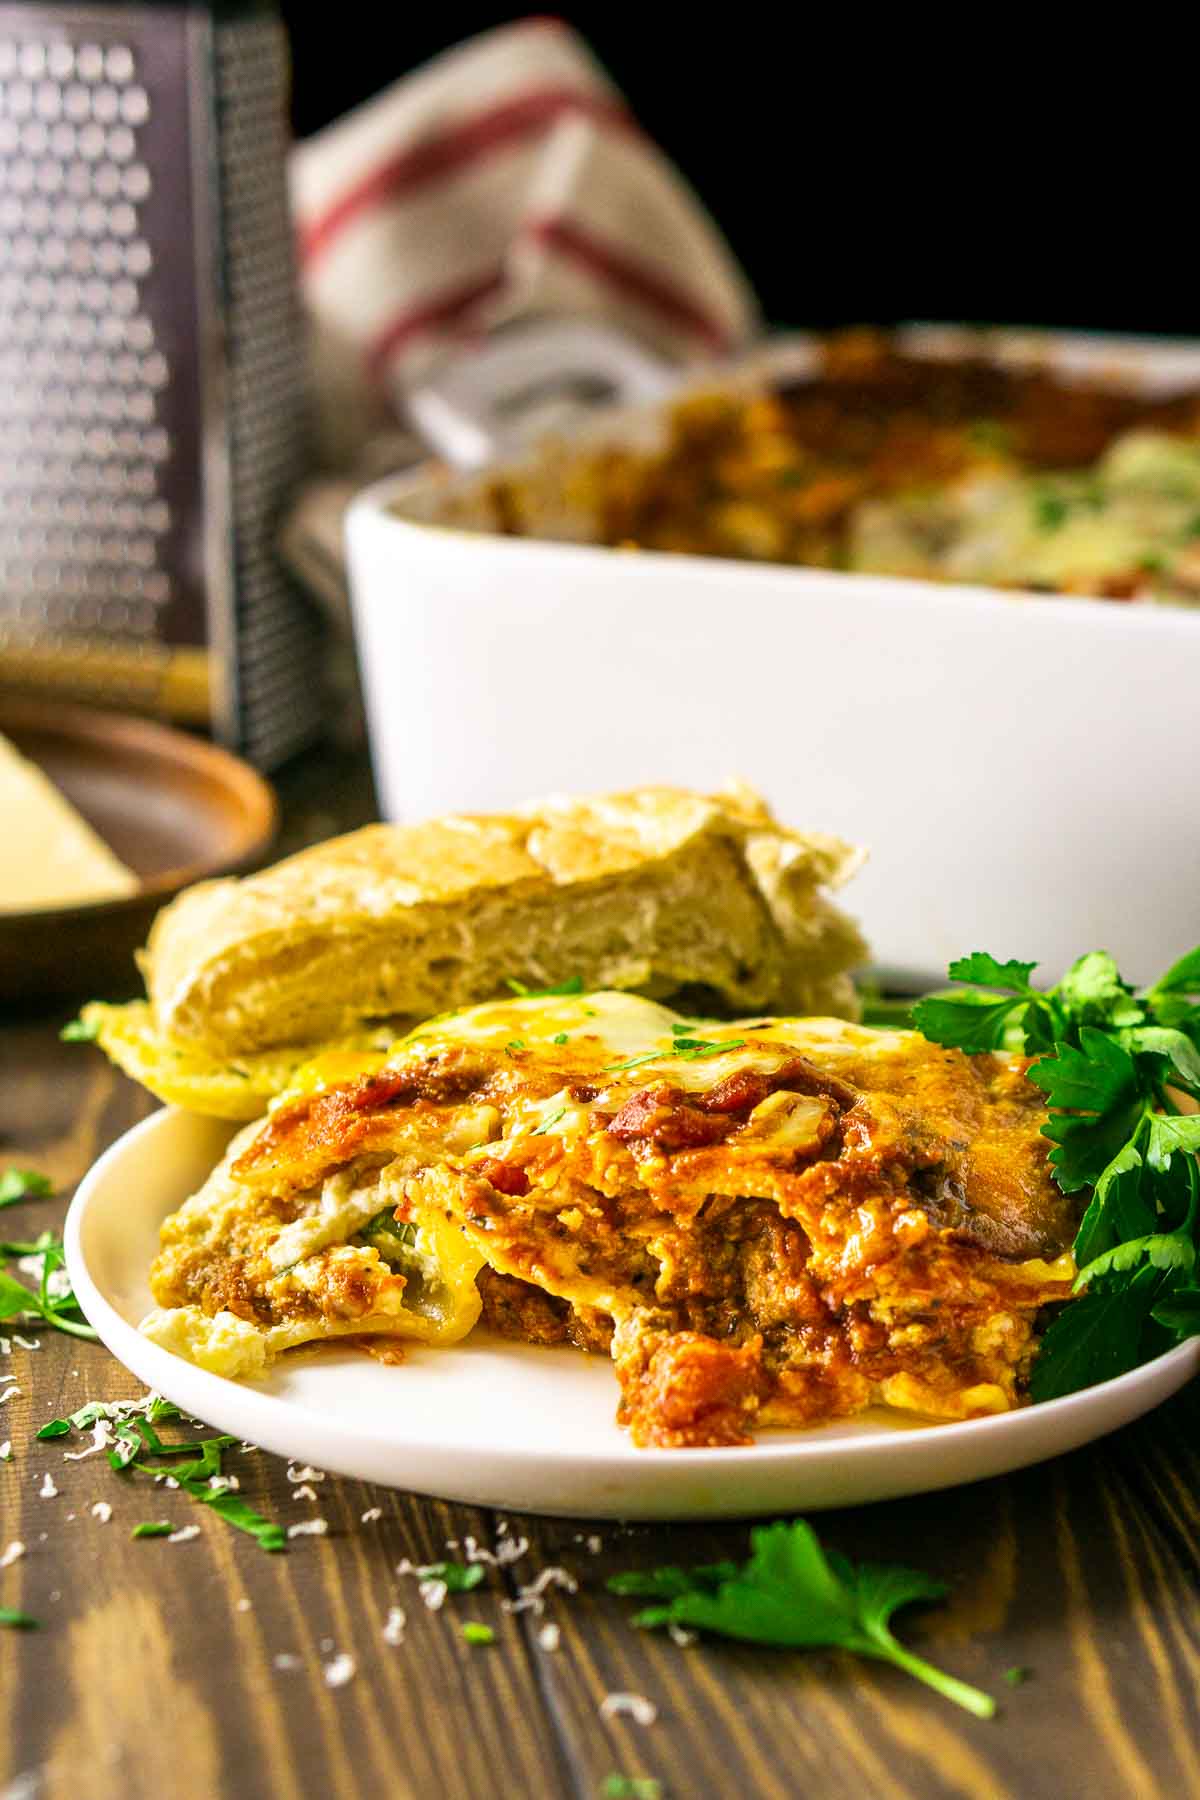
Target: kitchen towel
[(507, 179)]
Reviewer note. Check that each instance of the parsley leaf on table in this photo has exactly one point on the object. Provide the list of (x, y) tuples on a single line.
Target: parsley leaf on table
[(459, 1578), (23, 1184), (794, 1594), (1116, 1067), (53, 1302)]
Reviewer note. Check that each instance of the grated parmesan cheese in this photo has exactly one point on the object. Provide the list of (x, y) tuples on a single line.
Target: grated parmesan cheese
[(102, 1437), (184, 1535), (393, 1630), (15, 1549), (308, 1528), (531, 1598), (339, 1671), (633, 1706), (102, 1511), (47, 1491), (372, 1514)]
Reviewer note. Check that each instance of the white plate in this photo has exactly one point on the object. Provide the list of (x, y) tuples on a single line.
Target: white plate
[(509, 1425)]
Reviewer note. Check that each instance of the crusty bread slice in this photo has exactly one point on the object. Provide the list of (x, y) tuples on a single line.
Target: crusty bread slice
[(658, 889)]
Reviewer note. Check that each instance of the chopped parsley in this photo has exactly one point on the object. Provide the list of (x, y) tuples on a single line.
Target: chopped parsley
[(561, 1038), (513, 1045), (1017, 1675), (153, 1528), (23, 1184), (154, 1409), (1049, 510), (459, 1578), (572, 985), (631, 1787), (478, 1634), (693, 1049), (547, 1123), (18, 1621), (195, 1466), (792, 1593), (393, 1239), (80, 1031), (1112, 1064), (683, 1046)]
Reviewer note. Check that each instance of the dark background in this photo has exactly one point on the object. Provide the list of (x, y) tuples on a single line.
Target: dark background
[(995, 167)]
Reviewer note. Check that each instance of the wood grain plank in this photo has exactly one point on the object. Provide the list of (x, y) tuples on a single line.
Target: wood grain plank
[(1059, 1569)]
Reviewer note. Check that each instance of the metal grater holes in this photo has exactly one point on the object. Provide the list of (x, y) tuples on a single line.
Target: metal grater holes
[(81, 445)]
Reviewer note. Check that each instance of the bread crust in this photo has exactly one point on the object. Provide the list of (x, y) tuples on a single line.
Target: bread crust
[(656, 889)]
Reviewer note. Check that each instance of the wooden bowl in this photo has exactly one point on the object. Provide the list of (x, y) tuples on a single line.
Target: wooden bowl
[(173, 807)]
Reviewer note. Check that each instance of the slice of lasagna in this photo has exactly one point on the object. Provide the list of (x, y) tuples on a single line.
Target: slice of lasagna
[(780, 1222)]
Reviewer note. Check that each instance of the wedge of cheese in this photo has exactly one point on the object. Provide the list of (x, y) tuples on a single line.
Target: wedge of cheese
[(55, 859)]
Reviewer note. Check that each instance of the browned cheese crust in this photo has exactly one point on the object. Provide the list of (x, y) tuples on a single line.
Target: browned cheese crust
[(788, 1240)]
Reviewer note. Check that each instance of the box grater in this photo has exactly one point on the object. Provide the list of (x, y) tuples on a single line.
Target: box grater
[(152, 412)]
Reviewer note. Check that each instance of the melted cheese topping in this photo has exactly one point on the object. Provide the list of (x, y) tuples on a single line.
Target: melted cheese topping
[(836, 1216)]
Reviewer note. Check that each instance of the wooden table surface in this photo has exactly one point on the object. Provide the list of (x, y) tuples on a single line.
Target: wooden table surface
[(157, 1670)]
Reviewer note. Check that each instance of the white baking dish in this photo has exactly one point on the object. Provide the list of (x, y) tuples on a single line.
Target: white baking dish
[(1021, 767)]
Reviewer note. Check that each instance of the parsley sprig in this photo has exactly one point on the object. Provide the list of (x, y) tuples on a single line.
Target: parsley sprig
[(794, 1594), (1115, 1067), (53, 1300)]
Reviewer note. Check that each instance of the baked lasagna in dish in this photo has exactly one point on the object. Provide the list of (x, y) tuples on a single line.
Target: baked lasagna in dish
[(881, 461), (773, 1222)]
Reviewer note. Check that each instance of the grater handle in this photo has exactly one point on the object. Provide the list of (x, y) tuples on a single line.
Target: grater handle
[(530, 379)]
